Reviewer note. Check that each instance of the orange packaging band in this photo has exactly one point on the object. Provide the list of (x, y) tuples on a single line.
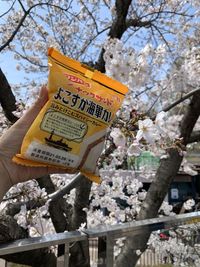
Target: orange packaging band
[(70, 129)]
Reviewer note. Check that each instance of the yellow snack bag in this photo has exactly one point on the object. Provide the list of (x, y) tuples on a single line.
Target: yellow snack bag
[(70, 129)]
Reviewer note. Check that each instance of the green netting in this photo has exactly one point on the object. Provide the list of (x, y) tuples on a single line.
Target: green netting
[(146, 160)]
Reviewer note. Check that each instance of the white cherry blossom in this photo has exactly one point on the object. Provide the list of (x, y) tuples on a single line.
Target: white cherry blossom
[(189, 204), (134, 149), (119, 138), (146, 131)]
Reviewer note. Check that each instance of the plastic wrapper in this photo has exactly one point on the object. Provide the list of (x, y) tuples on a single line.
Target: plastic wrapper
[(70, 129)]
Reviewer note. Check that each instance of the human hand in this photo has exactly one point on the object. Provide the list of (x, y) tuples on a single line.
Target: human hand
[(10, 143)]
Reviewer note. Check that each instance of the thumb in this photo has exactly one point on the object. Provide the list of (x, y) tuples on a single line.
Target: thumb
[(43, 96)]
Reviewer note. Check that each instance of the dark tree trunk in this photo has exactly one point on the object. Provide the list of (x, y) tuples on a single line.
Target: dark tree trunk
[(7, 99), (80, 251), (65, 217), (10, 231), (117, 29), (59, 210)]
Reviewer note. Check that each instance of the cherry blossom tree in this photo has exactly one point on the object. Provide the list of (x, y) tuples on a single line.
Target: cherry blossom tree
[(153, 48)]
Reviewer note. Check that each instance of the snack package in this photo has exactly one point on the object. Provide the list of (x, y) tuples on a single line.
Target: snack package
[(70, 129)]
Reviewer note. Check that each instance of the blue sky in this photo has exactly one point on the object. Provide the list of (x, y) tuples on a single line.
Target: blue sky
[(7, 62), (8, 66)]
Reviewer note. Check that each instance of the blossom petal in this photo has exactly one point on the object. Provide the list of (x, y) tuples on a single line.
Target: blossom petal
[(139, 135)]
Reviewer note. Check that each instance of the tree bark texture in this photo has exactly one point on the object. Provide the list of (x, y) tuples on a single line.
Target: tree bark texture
[(65, 217), (80, 250), (119, 26), (117, 29), (10, 231), (167, 170), (7, 98), (59, 210)]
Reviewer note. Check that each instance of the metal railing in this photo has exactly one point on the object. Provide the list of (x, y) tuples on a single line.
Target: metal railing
[(110, 232)]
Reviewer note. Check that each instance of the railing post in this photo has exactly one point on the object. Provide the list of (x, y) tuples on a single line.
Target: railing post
[(93, 251), (101, 261), (109, 251), (66, 255)]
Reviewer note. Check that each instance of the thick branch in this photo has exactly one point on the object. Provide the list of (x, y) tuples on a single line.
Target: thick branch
[(80, 251), (61, 213), (183, 98), (117, 29), (59, 210), (195, 137), (7, 99), (190, 118), (137, 23), (14, 208), (66, 190), (9, 231), (180, 100), (81, 201)]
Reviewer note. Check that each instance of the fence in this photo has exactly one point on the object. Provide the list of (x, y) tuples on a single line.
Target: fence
[(111, 233), (148, 258)]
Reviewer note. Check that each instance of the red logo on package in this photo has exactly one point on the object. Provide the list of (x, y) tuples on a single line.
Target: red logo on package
[(75, 79)]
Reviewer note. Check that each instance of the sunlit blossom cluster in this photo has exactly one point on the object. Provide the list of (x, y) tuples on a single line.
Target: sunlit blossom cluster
[(179, 245), (129, 66)]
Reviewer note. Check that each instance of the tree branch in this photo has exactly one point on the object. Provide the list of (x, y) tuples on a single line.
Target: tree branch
[(59, 210), (161, 35), (190, 118), (91, 15), (180, 100), (5, 13), (14, 208), (9, 231), (7, 98), (80, 251), (183, 98), (195, 137), (117, 29), (20, 24), (7, 43), (137, 23)]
